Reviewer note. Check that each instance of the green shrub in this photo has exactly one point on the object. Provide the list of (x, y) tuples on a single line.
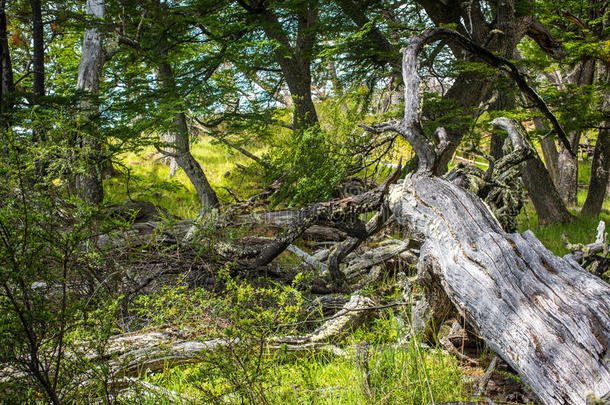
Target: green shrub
[(49, 264)]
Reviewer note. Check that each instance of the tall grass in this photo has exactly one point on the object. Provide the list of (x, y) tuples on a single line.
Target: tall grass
[(410, 374)]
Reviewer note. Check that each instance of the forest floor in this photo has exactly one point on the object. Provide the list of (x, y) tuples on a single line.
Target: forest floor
[(409, 373)]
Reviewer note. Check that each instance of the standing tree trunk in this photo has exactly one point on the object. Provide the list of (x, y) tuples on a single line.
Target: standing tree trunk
[(549, 151), (296, 64), (89, 185), (38, 62), (541, 190), (568, 171), (295, 61), (568, 163), (181, 143), (541, 186), (600, 170), (600, 167), (545, 316), (471, 87), (6, 71)]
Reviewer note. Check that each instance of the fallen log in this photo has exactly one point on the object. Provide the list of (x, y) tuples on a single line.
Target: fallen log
[(341, 250), (374, 257), (280, 219), (131, 354), (545, 316), (343, 214)]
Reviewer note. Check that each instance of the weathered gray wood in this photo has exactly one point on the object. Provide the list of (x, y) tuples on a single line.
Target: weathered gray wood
[(134, 353), (545, 316), (343, 214), (280, 219), (307, 258), (374, 257)]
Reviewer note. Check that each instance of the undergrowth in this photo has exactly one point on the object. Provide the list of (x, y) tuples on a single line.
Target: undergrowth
[(246, 372)]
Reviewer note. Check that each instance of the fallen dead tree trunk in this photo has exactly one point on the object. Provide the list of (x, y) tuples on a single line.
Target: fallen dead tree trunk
[(281, 219), (545, 316), (131, 354), (343, 214)]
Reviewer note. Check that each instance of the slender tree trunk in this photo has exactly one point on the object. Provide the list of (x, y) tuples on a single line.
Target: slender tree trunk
[(191, 167), (600, 167), (568, 171), (6, 78), (549, 151), (582, 75), (541, 190), (181, 144), (38, 62), (89, 185), (600, 170)]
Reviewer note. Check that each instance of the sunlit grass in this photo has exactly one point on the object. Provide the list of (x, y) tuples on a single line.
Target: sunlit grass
[(409, 374), (581, 230), (146, 177)]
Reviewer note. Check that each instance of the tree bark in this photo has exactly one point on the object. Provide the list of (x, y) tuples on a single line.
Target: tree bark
[(181, 144), (89, 185), (600, 167), (539, 185), (471, 88), (343, 214), (545, 316), (295, 61), (38, 62), (582, 75), (549, 151), (6, 78), (541, 190), (568, 172)]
